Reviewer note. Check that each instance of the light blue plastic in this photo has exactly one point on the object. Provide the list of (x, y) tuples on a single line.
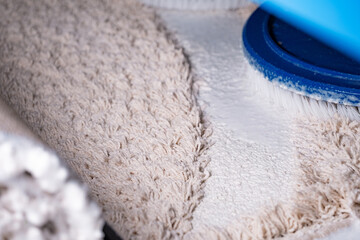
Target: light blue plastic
[(334, 22)]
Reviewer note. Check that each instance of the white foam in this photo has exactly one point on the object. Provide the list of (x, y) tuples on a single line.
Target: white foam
[(251, 162)]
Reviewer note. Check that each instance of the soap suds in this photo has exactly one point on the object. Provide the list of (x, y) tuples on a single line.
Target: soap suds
[(254, 171), (252, 160), (245, 177), (38, 197), (327, 197)]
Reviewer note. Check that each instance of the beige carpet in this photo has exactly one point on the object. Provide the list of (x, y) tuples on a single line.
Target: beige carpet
[(328, 189), (102, 84), (12, 124)]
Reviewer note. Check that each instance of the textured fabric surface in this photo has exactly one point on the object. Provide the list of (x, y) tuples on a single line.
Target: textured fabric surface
[(11, 123), (320, 200), (328, 189), (101, 83), (197, 4)]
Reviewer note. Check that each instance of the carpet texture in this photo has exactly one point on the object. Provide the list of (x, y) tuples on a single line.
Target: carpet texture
[(197, 4), (100, 83), (11, 123), (328, 189)]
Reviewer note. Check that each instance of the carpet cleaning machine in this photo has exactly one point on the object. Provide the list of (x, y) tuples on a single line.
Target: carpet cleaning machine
[(310, 48)]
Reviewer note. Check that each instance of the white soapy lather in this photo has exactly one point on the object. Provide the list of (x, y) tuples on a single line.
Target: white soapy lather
[(38, 200)]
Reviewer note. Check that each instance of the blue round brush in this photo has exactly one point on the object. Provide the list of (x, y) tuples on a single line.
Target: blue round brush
[(315, 76)]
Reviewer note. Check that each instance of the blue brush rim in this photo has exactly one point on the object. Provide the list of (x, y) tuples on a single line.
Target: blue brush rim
[(292, 73)]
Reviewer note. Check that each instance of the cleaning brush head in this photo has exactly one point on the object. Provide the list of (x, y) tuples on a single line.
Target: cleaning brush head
[(299, 64)]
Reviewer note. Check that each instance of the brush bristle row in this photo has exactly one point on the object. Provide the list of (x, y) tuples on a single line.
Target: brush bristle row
[(296, 103)]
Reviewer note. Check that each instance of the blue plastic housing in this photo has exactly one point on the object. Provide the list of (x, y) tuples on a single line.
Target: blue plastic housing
[(300, 63), (333, 22)]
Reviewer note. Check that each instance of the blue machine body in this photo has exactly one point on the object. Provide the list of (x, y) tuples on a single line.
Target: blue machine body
[(299, 62), (333, 22)]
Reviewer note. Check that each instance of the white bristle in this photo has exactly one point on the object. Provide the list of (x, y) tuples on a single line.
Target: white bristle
[(196, 4), (296, 103)]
